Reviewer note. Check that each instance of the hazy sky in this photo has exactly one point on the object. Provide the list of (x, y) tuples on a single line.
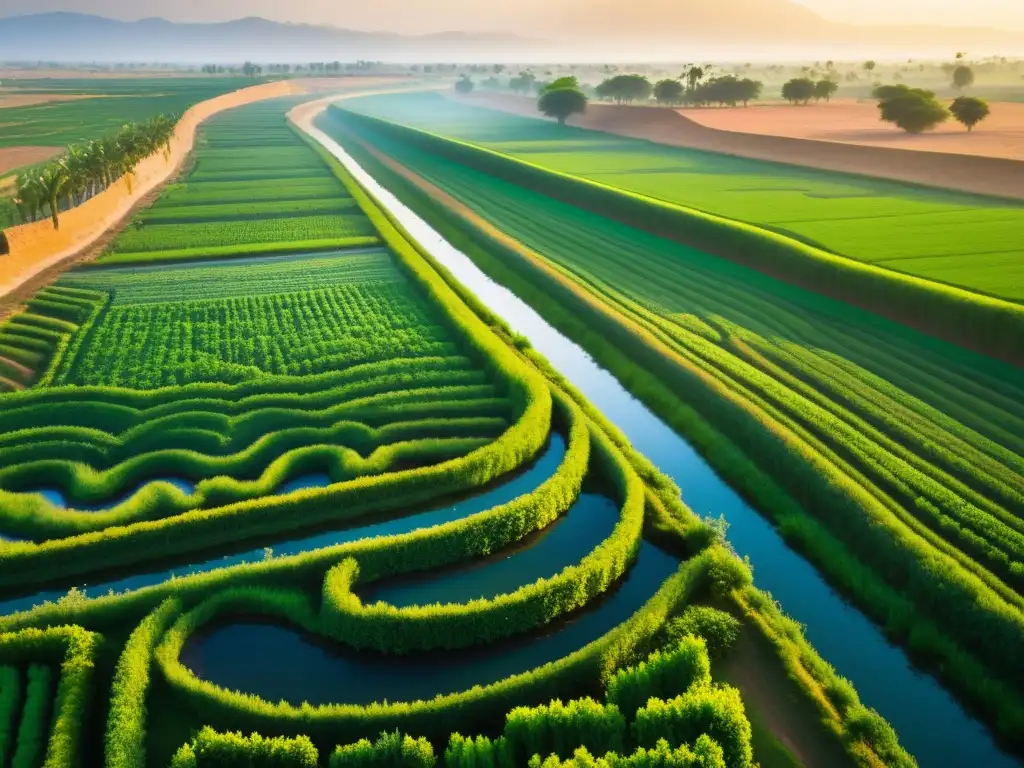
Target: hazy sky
[(510, 15)]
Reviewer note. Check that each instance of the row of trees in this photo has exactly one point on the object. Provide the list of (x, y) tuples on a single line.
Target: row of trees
[(916, 110), (85, 170), (801, 90)]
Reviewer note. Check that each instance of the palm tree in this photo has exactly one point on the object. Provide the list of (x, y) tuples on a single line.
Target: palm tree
[(86, 170), (52, 183)]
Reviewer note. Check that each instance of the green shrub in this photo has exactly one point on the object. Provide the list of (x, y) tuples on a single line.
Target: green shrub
[(866, 725), (125, 745), (479, 752), (558, 728), (664, 675), (35, 718), (713, 710), (233, 750), (719, 630), (705, 753), (391, 750)]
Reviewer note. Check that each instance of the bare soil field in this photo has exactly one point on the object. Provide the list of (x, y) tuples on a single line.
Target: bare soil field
[(16, 157), (961, 172), (856, 122)]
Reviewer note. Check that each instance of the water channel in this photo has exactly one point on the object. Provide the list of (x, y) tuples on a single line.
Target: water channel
[(930, 722)]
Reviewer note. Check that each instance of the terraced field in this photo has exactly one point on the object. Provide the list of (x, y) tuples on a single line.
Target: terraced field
[(231, 203), (316, 496), (893, 460), (962, 240)]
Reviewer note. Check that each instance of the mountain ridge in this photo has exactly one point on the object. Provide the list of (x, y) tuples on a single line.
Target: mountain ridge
[(602, 30)]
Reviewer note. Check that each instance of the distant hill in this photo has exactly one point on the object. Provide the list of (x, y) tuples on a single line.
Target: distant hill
[(75, 37), (610, 30)]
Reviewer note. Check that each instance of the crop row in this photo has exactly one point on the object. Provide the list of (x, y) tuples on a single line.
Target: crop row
[(898, 494), (374, 353), (959, 239), (258, 276)]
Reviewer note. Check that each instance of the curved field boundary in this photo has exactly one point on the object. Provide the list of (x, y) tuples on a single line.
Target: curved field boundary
[(996, 177), (984, 324), (36, 247)]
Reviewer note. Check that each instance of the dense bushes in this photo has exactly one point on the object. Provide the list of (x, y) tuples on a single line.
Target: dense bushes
[(126, 719), (664, 674), (715, 711), (233, 750), (989, 325), (31, 742), (705, 753), (558, 728), (391, 749), (719, 630)]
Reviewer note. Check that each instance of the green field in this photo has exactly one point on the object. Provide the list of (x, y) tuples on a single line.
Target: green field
[(111, 103), (964, 240), (210, 442), (252, 189), (906, 450)]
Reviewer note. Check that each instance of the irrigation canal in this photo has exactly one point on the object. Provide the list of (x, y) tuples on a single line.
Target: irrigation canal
[(929, 721)]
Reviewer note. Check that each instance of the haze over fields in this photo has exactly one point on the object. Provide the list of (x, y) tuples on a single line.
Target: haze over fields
[(530, 29)]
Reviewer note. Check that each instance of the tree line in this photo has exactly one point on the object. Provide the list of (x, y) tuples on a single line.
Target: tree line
[(85, 170)]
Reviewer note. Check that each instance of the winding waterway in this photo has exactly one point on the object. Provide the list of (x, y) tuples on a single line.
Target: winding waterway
[(930, 722), (501, 492)]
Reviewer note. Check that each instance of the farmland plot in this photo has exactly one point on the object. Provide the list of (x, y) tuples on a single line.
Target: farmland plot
[(350, 408), (963, 240), (857, 430)]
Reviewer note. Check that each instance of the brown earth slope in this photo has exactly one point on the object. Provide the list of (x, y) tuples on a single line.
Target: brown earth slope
[(856, 122), (968, 173)]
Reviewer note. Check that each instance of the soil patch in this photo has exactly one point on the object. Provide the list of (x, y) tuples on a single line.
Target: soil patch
[(14, 99), (961, 172), (781, 707), (855, 122), (17, 157)]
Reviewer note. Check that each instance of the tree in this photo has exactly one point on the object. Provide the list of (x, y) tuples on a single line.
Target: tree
[(464, 85), (669, 91), (562, 103), (693, 75), (969, 111), (869, 66), (570, 81), (963, 77), (749, 90), (912, 109), (625, 89), (825, 89), (799, 90)]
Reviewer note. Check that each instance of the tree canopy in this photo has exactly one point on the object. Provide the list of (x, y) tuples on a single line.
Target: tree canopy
[(85, 170), (799, 90), (969, 111), (464, 85), (913, 109), (625, 89), (825, 89), (669, 91), (963, 77), (570, 81), (562, 103)]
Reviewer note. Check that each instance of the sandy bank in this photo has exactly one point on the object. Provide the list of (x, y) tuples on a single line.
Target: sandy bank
[(34, 248), (855, 122)]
